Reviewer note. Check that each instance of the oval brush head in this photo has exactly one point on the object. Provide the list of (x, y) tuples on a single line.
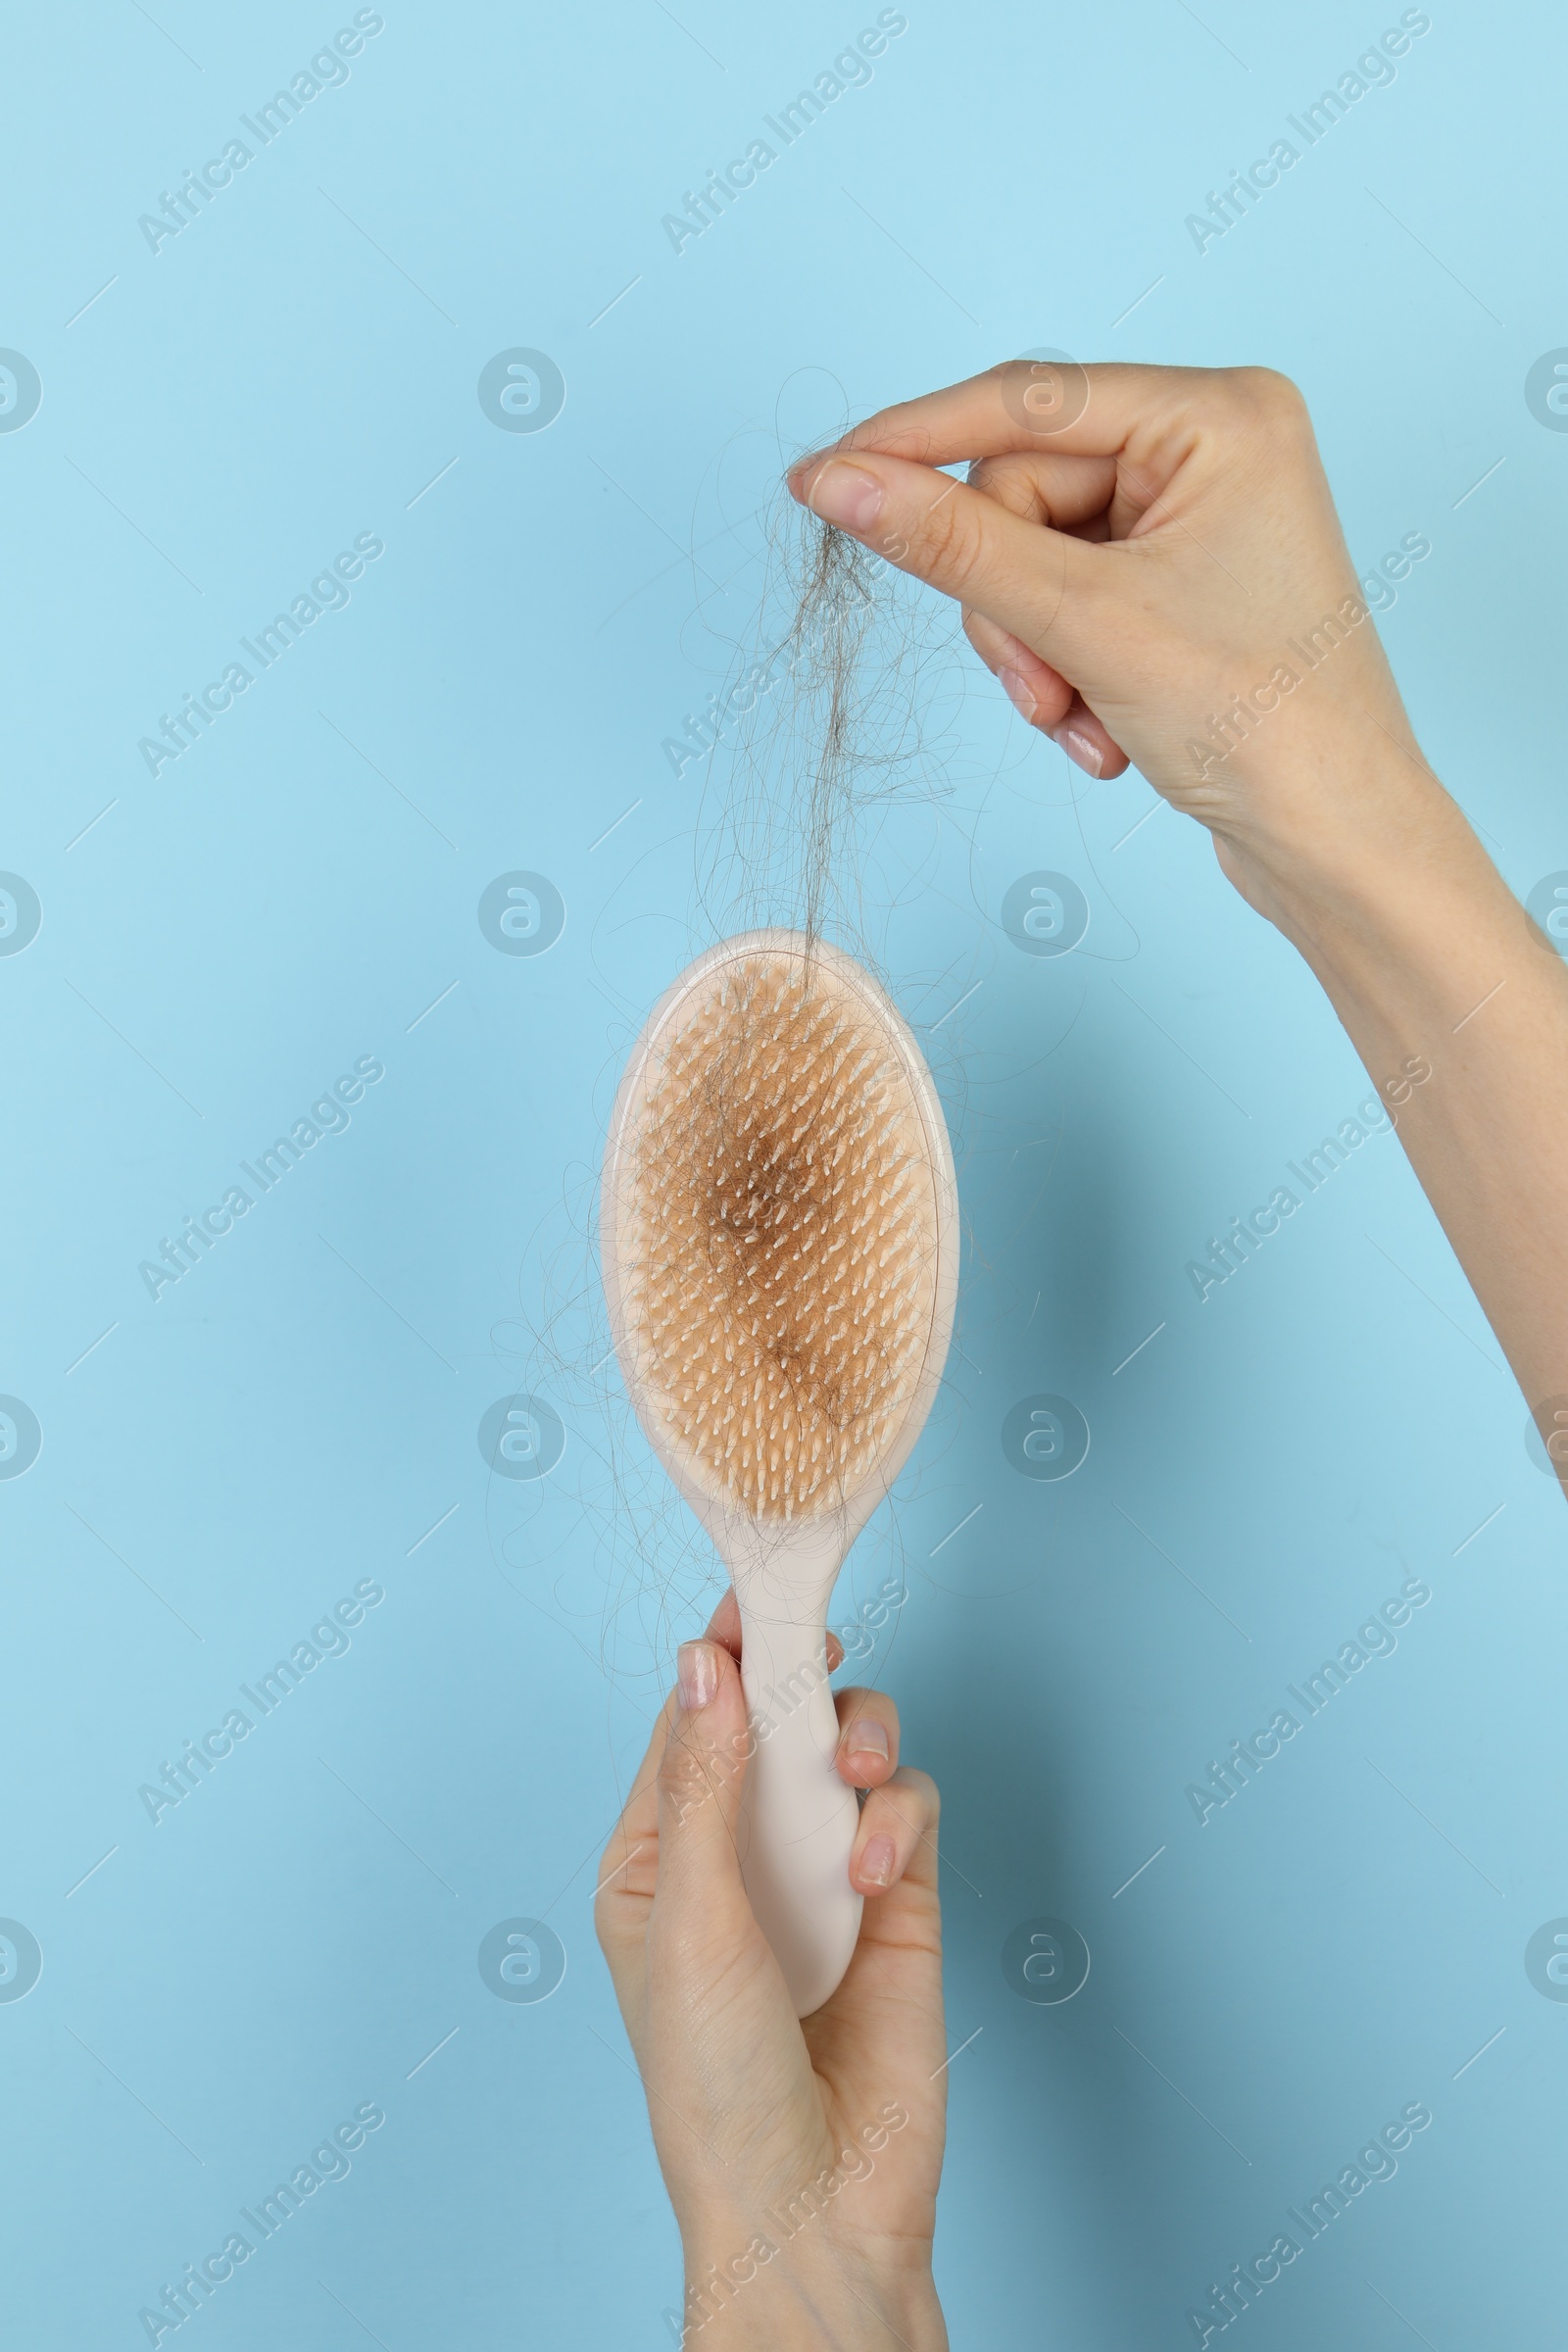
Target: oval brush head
[(779, 1248), (779, 1244)]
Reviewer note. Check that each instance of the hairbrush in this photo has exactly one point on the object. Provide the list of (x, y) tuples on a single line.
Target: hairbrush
[(779, 1249)]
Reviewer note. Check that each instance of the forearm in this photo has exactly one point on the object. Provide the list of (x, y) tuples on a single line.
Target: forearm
[(1433, 965)]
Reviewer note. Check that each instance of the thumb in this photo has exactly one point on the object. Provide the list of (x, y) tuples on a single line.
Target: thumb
[(700, 1780), (1041, 585)]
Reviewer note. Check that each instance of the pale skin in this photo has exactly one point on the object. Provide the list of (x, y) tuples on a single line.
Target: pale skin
[(749, 2106), (1134, 551)]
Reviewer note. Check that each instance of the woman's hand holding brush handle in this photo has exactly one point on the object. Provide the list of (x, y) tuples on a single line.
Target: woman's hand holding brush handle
[(1149, 560), (801, 2157)]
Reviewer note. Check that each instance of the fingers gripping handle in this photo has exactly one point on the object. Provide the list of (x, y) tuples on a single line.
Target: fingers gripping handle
[(798, 1819)]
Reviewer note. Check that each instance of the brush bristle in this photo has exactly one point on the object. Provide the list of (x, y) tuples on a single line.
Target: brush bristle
[(779, 1246)]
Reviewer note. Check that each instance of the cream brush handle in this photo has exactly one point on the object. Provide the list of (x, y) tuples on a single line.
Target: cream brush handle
[(798, 1819)]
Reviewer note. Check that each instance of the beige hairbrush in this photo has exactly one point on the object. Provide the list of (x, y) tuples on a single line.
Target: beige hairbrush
[(779, 1243)]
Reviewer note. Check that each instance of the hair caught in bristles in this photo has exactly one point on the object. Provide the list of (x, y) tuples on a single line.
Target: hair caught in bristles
[(779, 1252)]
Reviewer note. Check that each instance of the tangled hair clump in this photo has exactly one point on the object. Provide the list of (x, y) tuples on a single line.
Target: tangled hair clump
[(834, 724)]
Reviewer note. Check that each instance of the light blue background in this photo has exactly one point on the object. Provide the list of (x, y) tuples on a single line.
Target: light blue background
[(296, 1936)]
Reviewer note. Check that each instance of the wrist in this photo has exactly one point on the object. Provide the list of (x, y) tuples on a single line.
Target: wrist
[(1367, 866), (825, 2296)]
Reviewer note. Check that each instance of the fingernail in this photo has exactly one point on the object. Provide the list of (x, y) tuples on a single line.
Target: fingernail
[(876, 1863), (795, 475), (1080, 749), (1016, 688), (867, 1738), (844, 495), (697, 1672)]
